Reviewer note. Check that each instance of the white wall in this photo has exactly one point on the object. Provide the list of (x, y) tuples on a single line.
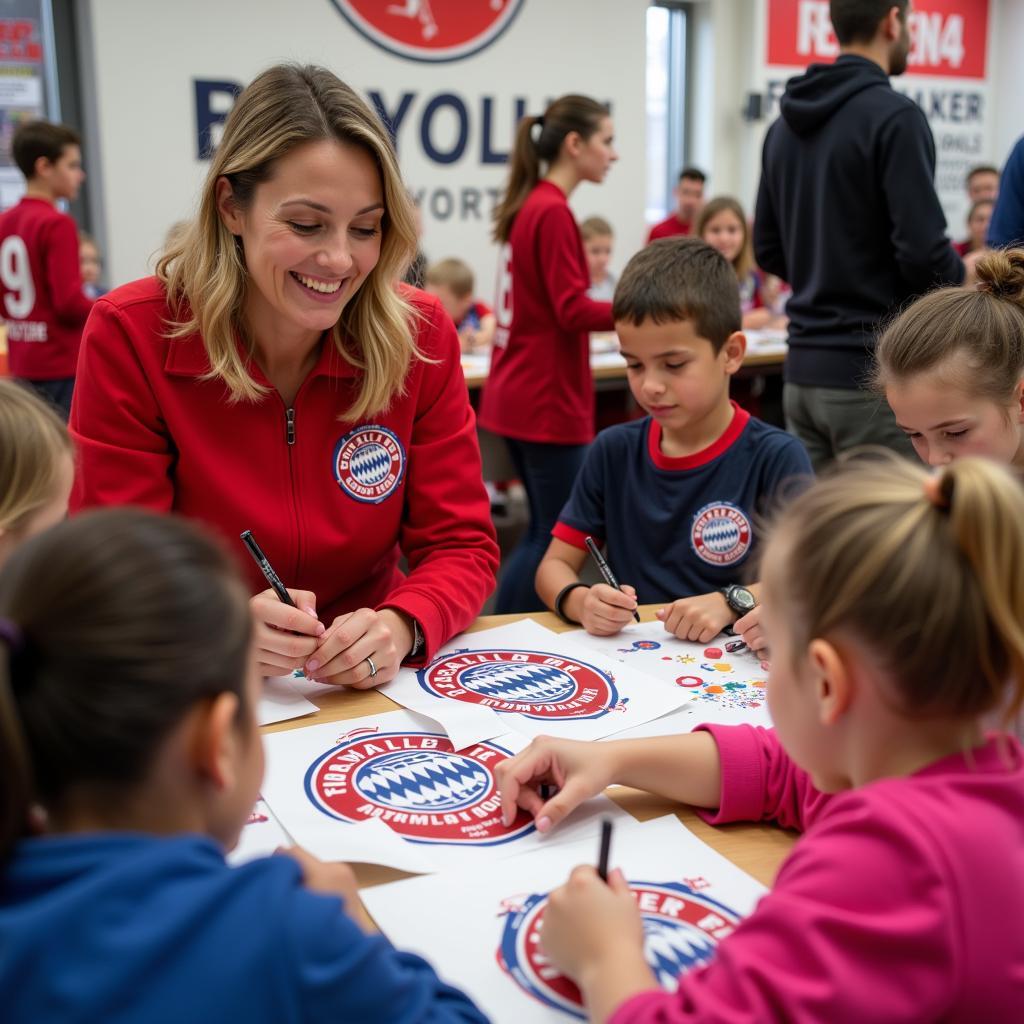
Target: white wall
[(1007, 53), (144, 55)]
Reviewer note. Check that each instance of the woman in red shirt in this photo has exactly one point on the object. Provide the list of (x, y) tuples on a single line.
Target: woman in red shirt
[(539, 393), (272, 377)]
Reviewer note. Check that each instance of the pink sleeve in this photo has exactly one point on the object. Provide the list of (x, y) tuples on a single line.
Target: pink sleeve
[(862, 925), (559, 256), (760, 782)]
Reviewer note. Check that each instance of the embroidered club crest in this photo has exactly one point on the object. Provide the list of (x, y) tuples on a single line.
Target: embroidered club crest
[(721, 533), (369, 464)]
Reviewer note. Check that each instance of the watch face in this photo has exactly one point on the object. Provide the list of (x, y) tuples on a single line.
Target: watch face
[(740, 599)]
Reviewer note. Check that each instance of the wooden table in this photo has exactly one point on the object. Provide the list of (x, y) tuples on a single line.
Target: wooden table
[(757, 849)]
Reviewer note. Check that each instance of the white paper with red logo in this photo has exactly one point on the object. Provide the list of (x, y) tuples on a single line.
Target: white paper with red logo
[(486, 939), (527, 679), (391, 789), (729, 687)]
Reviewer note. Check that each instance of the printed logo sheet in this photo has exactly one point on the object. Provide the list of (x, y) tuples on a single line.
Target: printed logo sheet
[(727, 682), (486, 940), (392, 789), (526, 679)]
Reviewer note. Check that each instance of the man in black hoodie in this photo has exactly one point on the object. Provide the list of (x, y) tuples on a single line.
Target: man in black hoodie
[(847, 214)]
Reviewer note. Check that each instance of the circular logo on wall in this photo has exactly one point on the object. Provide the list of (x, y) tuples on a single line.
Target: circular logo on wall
[(721, 533), (530, 683), (369, 464), (418, 785), (430, 30), (681, 931)]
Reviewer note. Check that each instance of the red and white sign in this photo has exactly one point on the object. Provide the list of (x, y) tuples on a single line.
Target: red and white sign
[(430, 30), (949, 38)]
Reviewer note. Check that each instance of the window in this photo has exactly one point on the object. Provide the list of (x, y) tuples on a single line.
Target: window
[(667, 118)]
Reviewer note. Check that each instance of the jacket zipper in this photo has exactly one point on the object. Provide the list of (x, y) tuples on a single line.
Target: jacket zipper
[(289, 426)]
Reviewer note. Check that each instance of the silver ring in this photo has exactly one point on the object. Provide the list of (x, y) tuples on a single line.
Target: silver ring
[(373, 668)]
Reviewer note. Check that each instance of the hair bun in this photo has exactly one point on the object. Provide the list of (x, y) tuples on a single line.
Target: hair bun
[(1001, 273)]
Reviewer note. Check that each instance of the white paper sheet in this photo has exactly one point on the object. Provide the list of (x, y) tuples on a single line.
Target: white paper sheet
[(480, 929), (261, 836), (281, 701), (390, 789), (527, 679), (728, 687)]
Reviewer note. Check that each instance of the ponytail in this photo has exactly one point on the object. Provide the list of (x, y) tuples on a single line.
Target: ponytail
[(539, 139), (925, 571)]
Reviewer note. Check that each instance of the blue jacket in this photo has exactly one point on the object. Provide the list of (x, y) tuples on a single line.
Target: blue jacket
[(118, 927), (1007, 224)]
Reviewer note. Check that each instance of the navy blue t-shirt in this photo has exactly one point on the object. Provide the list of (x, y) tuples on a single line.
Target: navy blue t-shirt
[(676, 527)]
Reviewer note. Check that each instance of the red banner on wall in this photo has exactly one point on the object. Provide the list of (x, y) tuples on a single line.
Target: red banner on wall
[(948, 37)]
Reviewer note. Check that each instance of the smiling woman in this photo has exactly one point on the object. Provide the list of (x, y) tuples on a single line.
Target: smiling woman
[(273, 377)]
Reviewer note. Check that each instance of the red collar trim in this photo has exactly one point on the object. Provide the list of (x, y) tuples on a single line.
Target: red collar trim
[(740, 419)]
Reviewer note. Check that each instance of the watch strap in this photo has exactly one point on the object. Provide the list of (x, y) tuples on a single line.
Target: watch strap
[(560, 600)]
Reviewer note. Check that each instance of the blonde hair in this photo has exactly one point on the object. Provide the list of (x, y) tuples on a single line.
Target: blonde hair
[(595, 227), (204, 270), (985, 325), (32, 440), (743, 264), (926, 571), (452, 273)]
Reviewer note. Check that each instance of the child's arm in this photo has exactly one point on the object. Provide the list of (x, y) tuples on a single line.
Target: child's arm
[(600, 609), (485, 334), (682, 768), (701, 618)]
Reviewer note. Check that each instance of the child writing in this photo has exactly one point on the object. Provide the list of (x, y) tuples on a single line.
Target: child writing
[(952, 366), (598, 237), (675, 497), (41, 286), (131, 759), (894, 603), (539, 394), (36, 466), (451, 281), (723, 225)]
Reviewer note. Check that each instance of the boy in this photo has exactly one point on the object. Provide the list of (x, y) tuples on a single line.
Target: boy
[(40, 281), (598, 237), (689, 195), (451, 281), (676, 497)]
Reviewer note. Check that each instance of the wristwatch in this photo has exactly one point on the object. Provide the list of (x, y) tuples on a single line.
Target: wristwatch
[(739, 599)]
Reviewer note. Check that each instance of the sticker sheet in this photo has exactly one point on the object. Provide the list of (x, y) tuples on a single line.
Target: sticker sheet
[(261, 836), (486, 941), (527, 679), (392, 789), (727, 681)]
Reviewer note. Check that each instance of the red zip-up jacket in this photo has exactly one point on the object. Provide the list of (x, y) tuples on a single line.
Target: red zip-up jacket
[(539, 387), (41, 295), (332, 503)]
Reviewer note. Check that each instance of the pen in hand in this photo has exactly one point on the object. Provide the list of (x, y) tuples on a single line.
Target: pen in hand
[(266, 568), (605, 569), (606, 846)]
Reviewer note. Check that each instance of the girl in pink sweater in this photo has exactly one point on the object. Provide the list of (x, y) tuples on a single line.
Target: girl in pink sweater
[(895, 602)]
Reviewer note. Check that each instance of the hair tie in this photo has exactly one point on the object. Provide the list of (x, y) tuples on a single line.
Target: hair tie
[(938, 489), (17, 658), (11, 634), (537, 129)]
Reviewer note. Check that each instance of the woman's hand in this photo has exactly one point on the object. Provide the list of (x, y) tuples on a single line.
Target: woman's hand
[(362, 649), (593, 932), (332, 880), (285, 636), (577, 769)]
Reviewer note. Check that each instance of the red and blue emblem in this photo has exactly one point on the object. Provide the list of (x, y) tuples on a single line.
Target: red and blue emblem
[(434, 31), (530, 683), (681, 931), (369, 464), (721, 533), (416, 784)]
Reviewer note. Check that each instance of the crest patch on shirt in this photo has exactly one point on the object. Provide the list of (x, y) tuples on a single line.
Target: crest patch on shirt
[(369, 463), (721, 533)]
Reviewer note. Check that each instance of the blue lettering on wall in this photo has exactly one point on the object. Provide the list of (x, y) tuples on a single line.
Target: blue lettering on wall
[(439, 102), (213, 101)]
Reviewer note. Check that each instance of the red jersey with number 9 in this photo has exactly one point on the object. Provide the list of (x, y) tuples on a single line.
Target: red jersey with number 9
[(539, 387), (41, 297)]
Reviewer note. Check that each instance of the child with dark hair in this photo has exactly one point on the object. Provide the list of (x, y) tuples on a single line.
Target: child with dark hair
[(131, 759), (676, 497), (41, 296)]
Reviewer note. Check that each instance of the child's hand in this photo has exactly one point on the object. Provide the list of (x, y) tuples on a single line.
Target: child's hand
[(285, 636), (591, 930), (332, 880), (578, 769), (606, 610), (699, 619), (750, 630)]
